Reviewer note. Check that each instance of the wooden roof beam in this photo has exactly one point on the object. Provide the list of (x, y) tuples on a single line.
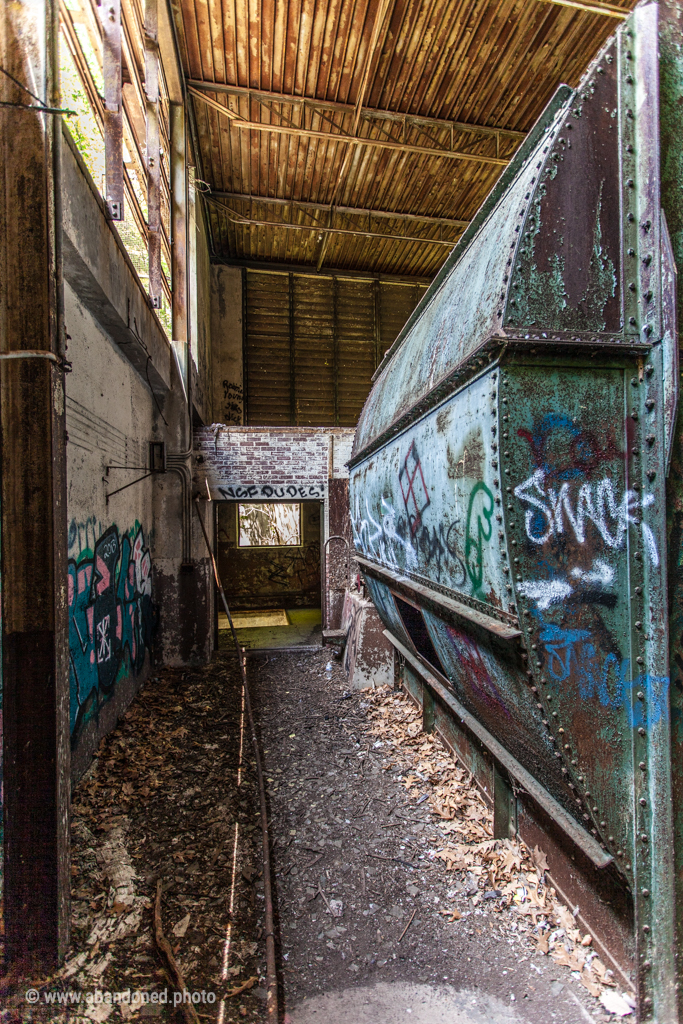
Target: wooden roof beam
[(367, 113), (321, 230), (594, 7), (354, 211), (352, 140)]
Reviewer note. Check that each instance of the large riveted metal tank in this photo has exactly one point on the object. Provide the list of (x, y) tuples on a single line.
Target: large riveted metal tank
[(517, 500)]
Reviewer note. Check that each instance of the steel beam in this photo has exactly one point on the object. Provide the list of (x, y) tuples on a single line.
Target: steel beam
[(153, 153), (179, 235), (35, 667), (110, 18)]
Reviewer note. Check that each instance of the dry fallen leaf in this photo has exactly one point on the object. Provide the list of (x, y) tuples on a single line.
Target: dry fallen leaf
[(181, 927), (452, 915)]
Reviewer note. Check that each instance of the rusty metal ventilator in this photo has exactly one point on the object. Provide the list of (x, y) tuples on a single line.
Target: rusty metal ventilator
[(271, 969)]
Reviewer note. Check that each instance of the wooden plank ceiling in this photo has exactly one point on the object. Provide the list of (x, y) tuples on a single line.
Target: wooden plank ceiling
[(362, 135)]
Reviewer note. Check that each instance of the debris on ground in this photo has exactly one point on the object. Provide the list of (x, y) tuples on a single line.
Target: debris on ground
[(385, 867), (503, 872)]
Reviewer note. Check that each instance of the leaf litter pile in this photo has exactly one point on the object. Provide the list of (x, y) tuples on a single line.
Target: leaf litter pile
[(502, 873), (167, 811)]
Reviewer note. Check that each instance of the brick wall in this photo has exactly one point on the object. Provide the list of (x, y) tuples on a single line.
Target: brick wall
[(269, 463)]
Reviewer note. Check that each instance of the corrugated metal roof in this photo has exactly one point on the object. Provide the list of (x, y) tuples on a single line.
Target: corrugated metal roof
[(391, 87)]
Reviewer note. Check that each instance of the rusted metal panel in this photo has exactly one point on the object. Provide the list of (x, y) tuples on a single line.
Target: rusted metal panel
[(566, 395)]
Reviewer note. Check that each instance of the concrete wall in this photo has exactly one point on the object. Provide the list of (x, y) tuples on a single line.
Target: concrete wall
[(138, 571), (112, 614), (226, 340)]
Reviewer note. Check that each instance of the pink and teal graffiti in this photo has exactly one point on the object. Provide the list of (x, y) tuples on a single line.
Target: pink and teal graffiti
[(111, 618)]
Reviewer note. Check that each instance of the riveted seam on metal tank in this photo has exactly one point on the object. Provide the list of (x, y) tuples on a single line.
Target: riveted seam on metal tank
[(547, 716)]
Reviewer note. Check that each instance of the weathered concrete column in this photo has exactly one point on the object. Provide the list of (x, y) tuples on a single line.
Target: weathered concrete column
[(32, 470)]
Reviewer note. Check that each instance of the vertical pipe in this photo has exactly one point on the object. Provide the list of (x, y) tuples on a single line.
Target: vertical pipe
[(335, 350), (376, 314), (245, 349)]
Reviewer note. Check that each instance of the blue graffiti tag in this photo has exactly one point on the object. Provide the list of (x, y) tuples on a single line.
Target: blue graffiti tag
[(571, 653)]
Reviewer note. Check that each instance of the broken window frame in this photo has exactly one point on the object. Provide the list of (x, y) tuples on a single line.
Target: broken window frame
[(134, 127), (268, 547)]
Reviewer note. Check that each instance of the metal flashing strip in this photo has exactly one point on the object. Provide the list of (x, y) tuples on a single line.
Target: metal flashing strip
[(502, 630), (585, 842)]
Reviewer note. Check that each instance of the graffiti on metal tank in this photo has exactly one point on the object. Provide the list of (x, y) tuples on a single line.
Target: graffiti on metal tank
[(572, 655), (474, 670), (594, 503), (478, 532), (111, 615), (413, 489), (383, 537)]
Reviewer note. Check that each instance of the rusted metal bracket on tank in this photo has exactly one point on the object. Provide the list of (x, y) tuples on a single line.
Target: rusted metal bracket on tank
[(586, 843), (502, 630)]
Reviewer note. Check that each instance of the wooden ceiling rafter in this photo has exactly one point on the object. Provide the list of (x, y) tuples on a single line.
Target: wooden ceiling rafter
[(242, 124), (354, 211), (325, 229), (312, 67), (367, 113)]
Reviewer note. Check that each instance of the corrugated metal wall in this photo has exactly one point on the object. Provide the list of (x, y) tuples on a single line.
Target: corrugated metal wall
[(312, 345)]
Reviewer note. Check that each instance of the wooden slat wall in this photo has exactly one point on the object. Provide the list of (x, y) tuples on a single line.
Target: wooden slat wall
[(356, 345), (268, 349), (314, 351), (312, 345), (396, 304)]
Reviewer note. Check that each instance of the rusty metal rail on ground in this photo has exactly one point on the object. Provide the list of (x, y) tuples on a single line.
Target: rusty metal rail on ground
[(272, 1009)]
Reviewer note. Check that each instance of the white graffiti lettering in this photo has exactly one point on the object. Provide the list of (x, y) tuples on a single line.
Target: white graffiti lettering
[(545, 592), (601, 575), (376, 540), (103, 640), (595, 503)]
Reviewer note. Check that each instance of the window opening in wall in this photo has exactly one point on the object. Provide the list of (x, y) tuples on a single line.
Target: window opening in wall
[(263, 525), (416, 628), (82, 89)]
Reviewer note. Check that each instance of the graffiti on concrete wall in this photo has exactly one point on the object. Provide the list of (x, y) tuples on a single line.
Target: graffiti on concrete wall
[(111, 615)]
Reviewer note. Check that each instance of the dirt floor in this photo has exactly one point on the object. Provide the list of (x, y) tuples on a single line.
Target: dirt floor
[(392, 901)]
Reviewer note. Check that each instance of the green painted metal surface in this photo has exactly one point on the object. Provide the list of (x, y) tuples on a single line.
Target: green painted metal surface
[(519, 463)]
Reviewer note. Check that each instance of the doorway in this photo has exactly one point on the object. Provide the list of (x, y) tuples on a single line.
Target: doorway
[(268, 557)]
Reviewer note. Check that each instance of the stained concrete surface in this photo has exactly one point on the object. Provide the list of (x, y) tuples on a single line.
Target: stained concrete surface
[(403, 1001), (347, 826), (304, 630)]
